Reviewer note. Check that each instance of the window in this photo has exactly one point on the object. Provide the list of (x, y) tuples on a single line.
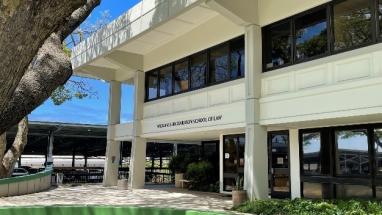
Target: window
[(215, 65), (311, 34), (352, 169), (378, 150), (278, 45), (165, 81), (198, 70), (181, 76), (334, 27), (352, 23), (311, 148), (219, 64), (345, 191), (233, 159), (352, 152), (152, 85), (312, 190), (237, 58)]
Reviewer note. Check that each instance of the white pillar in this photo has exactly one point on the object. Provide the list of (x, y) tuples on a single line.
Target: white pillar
[(256, 153), (110, 177), (294, 156), (138, 149)]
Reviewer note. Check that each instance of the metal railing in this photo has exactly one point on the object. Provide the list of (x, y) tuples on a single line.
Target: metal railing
[(95, 175)]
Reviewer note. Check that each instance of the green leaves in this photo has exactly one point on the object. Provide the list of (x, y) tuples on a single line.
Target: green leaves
[(311, 207), (77, 89)]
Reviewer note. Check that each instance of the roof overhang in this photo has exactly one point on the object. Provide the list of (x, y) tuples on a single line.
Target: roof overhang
[(117, 51)]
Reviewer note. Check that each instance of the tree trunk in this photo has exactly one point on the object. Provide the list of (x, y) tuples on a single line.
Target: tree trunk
[(12, 155), (49, 69), (3, 146), (24, 27)]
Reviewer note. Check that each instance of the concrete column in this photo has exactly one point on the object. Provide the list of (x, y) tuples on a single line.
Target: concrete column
[(256, 153), (138, 146), (137, 164), (110, 177), (49, 150), (294, 156)]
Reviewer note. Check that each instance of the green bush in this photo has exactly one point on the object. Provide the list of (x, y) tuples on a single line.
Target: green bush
[(311, 207), (199, 174), (178, 163)]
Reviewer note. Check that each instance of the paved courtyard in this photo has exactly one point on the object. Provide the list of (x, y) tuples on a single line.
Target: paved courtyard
[(151, 196)]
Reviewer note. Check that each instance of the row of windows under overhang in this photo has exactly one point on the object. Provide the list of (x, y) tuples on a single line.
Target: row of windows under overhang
[(332, 28)]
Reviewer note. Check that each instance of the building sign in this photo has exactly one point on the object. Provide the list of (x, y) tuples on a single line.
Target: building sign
[(190, 121)]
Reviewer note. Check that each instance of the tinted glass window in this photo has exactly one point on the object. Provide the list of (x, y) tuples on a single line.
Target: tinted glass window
[(152, 85), (312, 190), (241, 142), (219, 64), (198, 70), (378, 150), (230, 154), (165, 81), (277, 45), (311, 153), (311, 35), (352, 152), (352, 23), (181, 77), (237, 58), (354, 191)]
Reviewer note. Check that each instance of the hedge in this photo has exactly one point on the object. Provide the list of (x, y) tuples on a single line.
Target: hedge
[(311, 207)]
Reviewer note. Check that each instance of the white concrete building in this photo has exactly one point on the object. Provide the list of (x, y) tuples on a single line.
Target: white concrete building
[(291, 89)]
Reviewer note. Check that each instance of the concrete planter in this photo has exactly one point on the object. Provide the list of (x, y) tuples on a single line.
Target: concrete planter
[(178, 178), (239, 197), (123, 184)]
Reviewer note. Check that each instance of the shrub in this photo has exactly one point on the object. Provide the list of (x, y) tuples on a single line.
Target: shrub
[(311, 207), (199, 174), (178, 163)]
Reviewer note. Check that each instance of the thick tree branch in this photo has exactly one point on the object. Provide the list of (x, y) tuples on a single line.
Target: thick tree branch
[(24, 26), (17, 147), (50, 69)]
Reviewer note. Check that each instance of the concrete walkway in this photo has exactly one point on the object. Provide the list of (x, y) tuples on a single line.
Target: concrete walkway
[(152, 196)]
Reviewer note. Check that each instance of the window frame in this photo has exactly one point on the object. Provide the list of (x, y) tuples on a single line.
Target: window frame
[(376, 35), (207, 83), (372, 30), (147, 75), (186, 59), (301, 148), (371, 180), (263, 34), (328, 25), (220, 46), (172, 81)]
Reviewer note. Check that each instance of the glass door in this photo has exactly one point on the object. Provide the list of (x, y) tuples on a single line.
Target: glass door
[(233, 160), (278, 169)]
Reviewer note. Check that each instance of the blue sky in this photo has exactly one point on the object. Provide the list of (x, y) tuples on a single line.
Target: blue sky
[(91, 110)]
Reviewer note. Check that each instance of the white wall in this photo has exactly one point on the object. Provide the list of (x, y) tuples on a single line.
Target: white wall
[(274, 10), (342, 85), (210, 33), (226, 100)]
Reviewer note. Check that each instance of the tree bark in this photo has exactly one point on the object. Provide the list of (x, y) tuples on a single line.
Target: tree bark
[(10, 158), (3, 146), (50, 69), (24, 26)]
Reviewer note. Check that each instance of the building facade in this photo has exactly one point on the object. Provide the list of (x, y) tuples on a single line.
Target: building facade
[(290, 89)]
